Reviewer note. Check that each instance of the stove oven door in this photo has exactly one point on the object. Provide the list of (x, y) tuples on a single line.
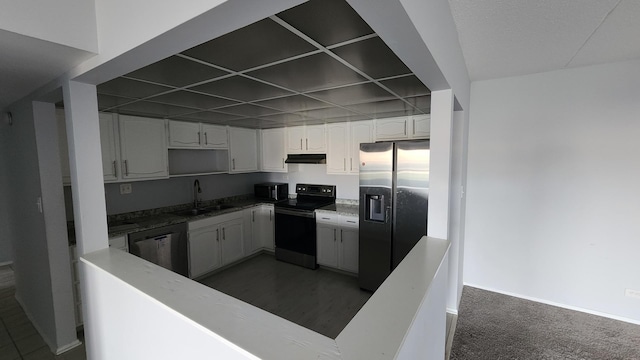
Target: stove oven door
[(296, 237)]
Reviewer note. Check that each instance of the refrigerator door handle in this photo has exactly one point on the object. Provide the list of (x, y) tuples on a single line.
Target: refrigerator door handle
[(386, 214)]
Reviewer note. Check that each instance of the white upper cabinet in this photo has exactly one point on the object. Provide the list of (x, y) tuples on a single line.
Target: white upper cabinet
[(273, 150), (337, 148), (420, 126), (188, 135), (306, 139), (243, 150), (359, 132), (184, 134), (109, 146), (343, 146), (214, 136), (405, 127), (143, 148)]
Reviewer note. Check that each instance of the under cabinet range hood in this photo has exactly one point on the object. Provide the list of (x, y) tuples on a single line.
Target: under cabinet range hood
[(306, 159)]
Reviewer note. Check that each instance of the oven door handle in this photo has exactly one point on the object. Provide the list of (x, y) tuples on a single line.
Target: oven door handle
[(306, 214)]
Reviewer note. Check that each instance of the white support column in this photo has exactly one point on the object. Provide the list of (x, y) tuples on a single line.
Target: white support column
[(440, 163), (85, 160)]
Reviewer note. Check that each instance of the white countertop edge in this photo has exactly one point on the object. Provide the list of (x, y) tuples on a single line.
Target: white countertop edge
[(254, 330), (376, 332)]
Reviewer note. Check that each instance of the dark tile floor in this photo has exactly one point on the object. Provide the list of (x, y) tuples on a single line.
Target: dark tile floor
[(321, 300), (18, 338)]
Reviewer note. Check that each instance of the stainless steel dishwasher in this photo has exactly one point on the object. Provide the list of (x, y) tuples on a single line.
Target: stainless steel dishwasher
[(164, 246)]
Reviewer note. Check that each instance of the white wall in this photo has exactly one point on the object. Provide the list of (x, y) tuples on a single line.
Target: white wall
[(552, 207), (67, 22), (347, 186), (176, 191), (6, 234), (36, 288)]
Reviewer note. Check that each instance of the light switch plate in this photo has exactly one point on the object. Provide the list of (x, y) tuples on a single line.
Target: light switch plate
[(125, 189)]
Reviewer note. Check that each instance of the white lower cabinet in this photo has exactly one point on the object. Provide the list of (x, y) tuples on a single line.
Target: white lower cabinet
[(204, 250), (231, 245), (337, 241), (75, 278), (214, 242), (261, 228)]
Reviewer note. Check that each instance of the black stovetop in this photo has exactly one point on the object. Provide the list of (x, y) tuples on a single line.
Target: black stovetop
[(310, 197)]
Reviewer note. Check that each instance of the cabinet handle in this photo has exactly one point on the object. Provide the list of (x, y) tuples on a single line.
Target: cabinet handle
[(350, 164), (283, 163), (326, 218), (253, 216), (206, 139), (126, 168), (405, 128), (334, 234), (340, 235), (233, 164), (307, 141), (344, 164), (223, 237), (115, 169), (199, 138), (414, 127), (218, 235), (300, 143), (269, 214)]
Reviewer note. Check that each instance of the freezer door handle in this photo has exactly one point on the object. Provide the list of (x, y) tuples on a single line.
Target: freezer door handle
[(386, 214)]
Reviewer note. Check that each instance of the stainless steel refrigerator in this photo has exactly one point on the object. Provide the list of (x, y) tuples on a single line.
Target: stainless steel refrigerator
[(394, 200)]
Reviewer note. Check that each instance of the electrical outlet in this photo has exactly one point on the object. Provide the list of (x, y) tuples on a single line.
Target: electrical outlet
[(125, 189), (632, 293)]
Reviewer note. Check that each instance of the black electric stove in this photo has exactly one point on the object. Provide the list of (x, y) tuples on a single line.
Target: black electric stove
[(296, 223)]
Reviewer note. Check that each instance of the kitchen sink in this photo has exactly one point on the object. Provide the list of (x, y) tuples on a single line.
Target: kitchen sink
[(201, 211), (193, 212)]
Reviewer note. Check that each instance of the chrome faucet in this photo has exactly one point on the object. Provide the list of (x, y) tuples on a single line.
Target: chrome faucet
[(196, 190)]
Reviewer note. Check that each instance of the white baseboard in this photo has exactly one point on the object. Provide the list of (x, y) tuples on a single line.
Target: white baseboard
[(74, 344), (51, 344), (564, 306)]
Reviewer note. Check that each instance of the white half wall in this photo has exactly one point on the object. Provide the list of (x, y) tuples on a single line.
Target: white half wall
[(553, 174)]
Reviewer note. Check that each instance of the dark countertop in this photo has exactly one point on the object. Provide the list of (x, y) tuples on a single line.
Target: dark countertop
[(123, 224)]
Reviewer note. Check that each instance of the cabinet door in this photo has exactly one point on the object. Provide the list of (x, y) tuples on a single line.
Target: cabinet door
[(204, 250), (273, 150), (421, 126), (214, 136), (337, 148), (327, 246), (108, 145), (295, 140), (349, 247), (361, 132), (267, 227), (231, 246), (315, 141), (143, 147), (252, 239), (391, 129), (184, 134), (243, 150)]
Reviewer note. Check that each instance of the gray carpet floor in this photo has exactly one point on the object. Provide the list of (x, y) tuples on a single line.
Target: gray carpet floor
[(496, 326)]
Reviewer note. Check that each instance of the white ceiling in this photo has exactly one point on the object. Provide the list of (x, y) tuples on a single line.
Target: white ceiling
[(28, 63), (501, 38)]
